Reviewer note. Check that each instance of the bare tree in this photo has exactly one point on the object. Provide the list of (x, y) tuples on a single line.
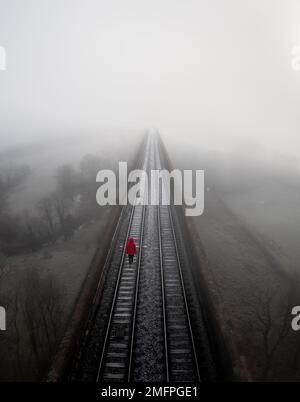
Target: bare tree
[(274, 328), (42, 317), (46, 209), (32, 232), (61, 207)]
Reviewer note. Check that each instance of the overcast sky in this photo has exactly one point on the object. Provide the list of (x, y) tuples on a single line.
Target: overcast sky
[(207, 71)]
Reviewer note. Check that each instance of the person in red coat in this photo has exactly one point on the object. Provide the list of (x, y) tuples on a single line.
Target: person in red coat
[(131, 249)]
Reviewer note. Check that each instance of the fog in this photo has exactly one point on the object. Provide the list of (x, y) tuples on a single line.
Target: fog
[(213, 74), (84, 81)]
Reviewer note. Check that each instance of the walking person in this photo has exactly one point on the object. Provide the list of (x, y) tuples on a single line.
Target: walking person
[(131, 249)]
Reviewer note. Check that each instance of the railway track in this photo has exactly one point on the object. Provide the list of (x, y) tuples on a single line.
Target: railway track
[(146, 331), (181, 356)]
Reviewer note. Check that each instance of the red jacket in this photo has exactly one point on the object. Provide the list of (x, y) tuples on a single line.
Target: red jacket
[(131, 247)]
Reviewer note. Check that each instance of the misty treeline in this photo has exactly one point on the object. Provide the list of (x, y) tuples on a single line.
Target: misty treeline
[(57, 215), (36, 315), (10, 177), (35, 323)]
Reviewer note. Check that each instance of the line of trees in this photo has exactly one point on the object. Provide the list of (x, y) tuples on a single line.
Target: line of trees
[(57, 215), (36, 316), (35, 324)]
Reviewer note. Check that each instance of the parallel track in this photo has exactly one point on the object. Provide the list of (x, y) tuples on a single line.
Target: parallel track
[(182, 362), (176, 358)]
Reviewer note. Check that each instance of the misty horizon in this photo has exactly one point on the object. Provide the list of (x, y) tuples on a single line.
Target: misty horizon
[(149, 191), (218, 75)]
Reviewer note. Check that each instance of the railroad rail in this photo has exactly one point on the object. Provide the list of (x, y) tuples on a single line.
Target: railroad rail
[(140, 328)]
